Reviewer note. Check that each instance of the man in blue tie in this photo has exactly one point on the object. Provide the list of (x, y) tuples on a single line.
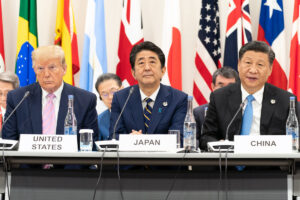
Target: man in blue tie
[(265, 107), (152, 106)]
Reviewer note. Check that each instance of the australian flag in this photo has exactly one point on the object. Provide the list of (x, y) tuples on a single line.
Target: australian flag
[(238, 31)]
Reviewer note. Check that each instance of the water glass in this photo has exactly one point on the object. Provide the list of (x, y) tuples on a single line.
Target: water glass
[(86, 139), (177, 133)]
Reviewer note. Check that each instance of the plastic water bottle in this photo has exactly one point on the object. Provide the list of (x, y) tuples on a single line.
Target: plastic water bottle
[(292, 126), (189, 128), (70, 121)]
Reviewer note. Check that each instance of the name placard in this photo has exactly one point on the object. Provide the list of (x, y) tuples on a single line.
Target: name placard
[(48, 143), (263, 144), (147, 142)]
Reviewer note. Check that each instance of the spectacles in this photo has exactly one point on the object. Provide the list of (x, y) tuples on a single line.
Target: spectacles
[(105, 95), (42, 69)]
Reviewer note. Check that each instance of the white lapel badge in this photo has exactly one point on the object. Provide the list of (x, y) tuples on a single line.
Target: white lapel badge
[(273, 101), (165, 103)]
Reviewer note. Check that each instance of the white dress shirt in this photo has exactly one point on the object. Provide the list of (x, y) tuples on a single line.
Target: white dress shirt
[(153, 97), (56, 100), (256, 105)]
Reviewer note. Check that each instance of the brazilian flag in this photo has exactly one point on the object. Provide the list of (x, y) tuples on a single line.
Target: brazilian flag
[(27, 41)]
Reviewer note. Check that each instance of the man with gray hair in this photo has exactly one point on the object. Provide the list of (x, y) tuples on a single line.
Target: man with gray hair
[(221, 78), (8, 82), (44, 110)]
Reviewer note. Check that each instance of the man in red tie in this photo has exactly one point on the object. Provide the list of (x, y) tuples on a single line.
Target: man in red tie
[(8, 82)]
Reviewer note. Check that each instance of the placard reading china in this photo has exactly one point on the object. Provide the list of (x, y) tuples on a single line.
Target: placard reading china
[(263, 144), (147, 142), (48, 143)]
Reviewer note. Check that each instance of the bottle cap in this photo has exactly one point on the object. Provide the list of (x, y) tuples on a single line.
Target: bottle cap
[(292, 98), (86, 131), (70, 96), (190, 97)]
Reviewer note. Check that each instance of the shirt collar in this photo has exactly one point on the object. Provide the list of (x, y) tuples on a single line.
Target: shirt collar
[(56, 93), (258, 96), (152, 96)]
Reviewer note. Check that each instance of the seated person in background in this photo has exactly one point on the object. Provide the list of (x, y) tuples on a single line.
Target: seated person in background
[(221, 78), (152, 106), (266, 107), (106, 85), (8, 82), (44, 110)]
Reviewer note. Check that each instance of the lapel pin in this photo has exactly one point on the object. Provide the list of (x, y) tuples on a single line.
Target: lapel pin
[(273, 101), (159, 110), (165, 103)]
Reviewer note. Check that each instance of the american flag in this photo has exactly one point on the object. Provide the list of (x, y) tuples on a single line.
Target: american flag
[(238, 31), (208, 51)]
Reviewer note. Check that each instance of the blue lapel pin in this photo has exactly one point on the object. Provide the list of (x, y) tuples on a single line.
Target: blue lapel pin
[(159, 110)]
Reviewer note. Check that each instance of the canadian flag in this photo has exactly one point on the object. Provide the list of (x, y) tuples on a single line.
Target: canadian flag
[(131, 33), (171, 45), (2, 55), (294, 79)]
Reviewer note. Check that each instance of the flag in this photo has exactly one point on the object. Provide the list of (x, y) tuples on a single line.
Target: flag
[(131, 33), (238, 31), (2, 54), (208, 52), (172, 44), (294, 79), (271, 30), (94, 59), (66, 37), (27, 41)]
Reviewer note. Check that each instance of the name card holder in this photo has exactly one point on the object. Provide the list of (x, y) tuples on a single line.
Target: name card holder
[(48, 143), (263, 144), (147, 142)]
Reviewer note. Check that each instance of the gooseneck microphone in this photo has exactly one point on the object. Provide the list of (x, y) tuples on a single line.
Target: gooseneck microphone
[(27, 93), (113, 145), (225, 145), (123, 108), (237, 112)]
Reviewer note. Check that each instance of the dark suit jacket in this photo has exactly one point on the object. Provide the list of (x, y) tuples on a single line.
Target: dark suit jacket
[(168, 113), (28, 117), (199, 116), (103, 124), (225, 102)]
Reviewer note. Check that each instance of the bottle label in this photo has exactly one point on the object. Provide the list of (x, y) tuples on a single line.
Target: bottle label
[(70, 131)]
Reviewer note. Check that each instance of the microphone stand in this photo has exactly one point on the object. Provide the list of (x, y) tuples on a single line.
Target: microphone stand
[(113, 145), (226, 145)]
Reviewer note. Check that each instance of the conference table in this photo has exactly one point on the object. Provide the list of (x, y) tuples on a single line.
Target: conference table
[(153, 175)]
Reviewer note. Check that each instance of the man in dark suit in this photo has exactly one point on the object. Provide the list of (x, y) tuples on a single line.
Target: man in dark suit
[(167, 105), (268, 104), (221, 78), (106, 85), (49, 66)]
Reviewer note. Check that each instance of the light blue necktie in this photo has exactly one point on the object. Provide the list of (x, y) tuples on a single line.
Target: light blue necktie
[(247, 117)]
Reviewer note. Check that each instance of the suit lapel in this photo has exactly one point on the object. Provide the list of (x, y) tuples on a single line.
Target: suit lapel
[(63, 108), (158, 108), (267, 107), (234, 101), (135, 105), (35, 108)]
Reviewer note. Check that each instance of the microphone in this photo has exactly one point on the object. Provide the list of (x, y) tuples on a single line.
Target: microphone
[(9, 144), (123, 108), (112, 145), (225, 145)]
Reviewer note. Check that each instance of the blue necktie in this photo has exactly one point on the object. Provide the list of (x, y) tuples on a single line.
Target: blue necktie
[(247, 117), (147, 113)]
